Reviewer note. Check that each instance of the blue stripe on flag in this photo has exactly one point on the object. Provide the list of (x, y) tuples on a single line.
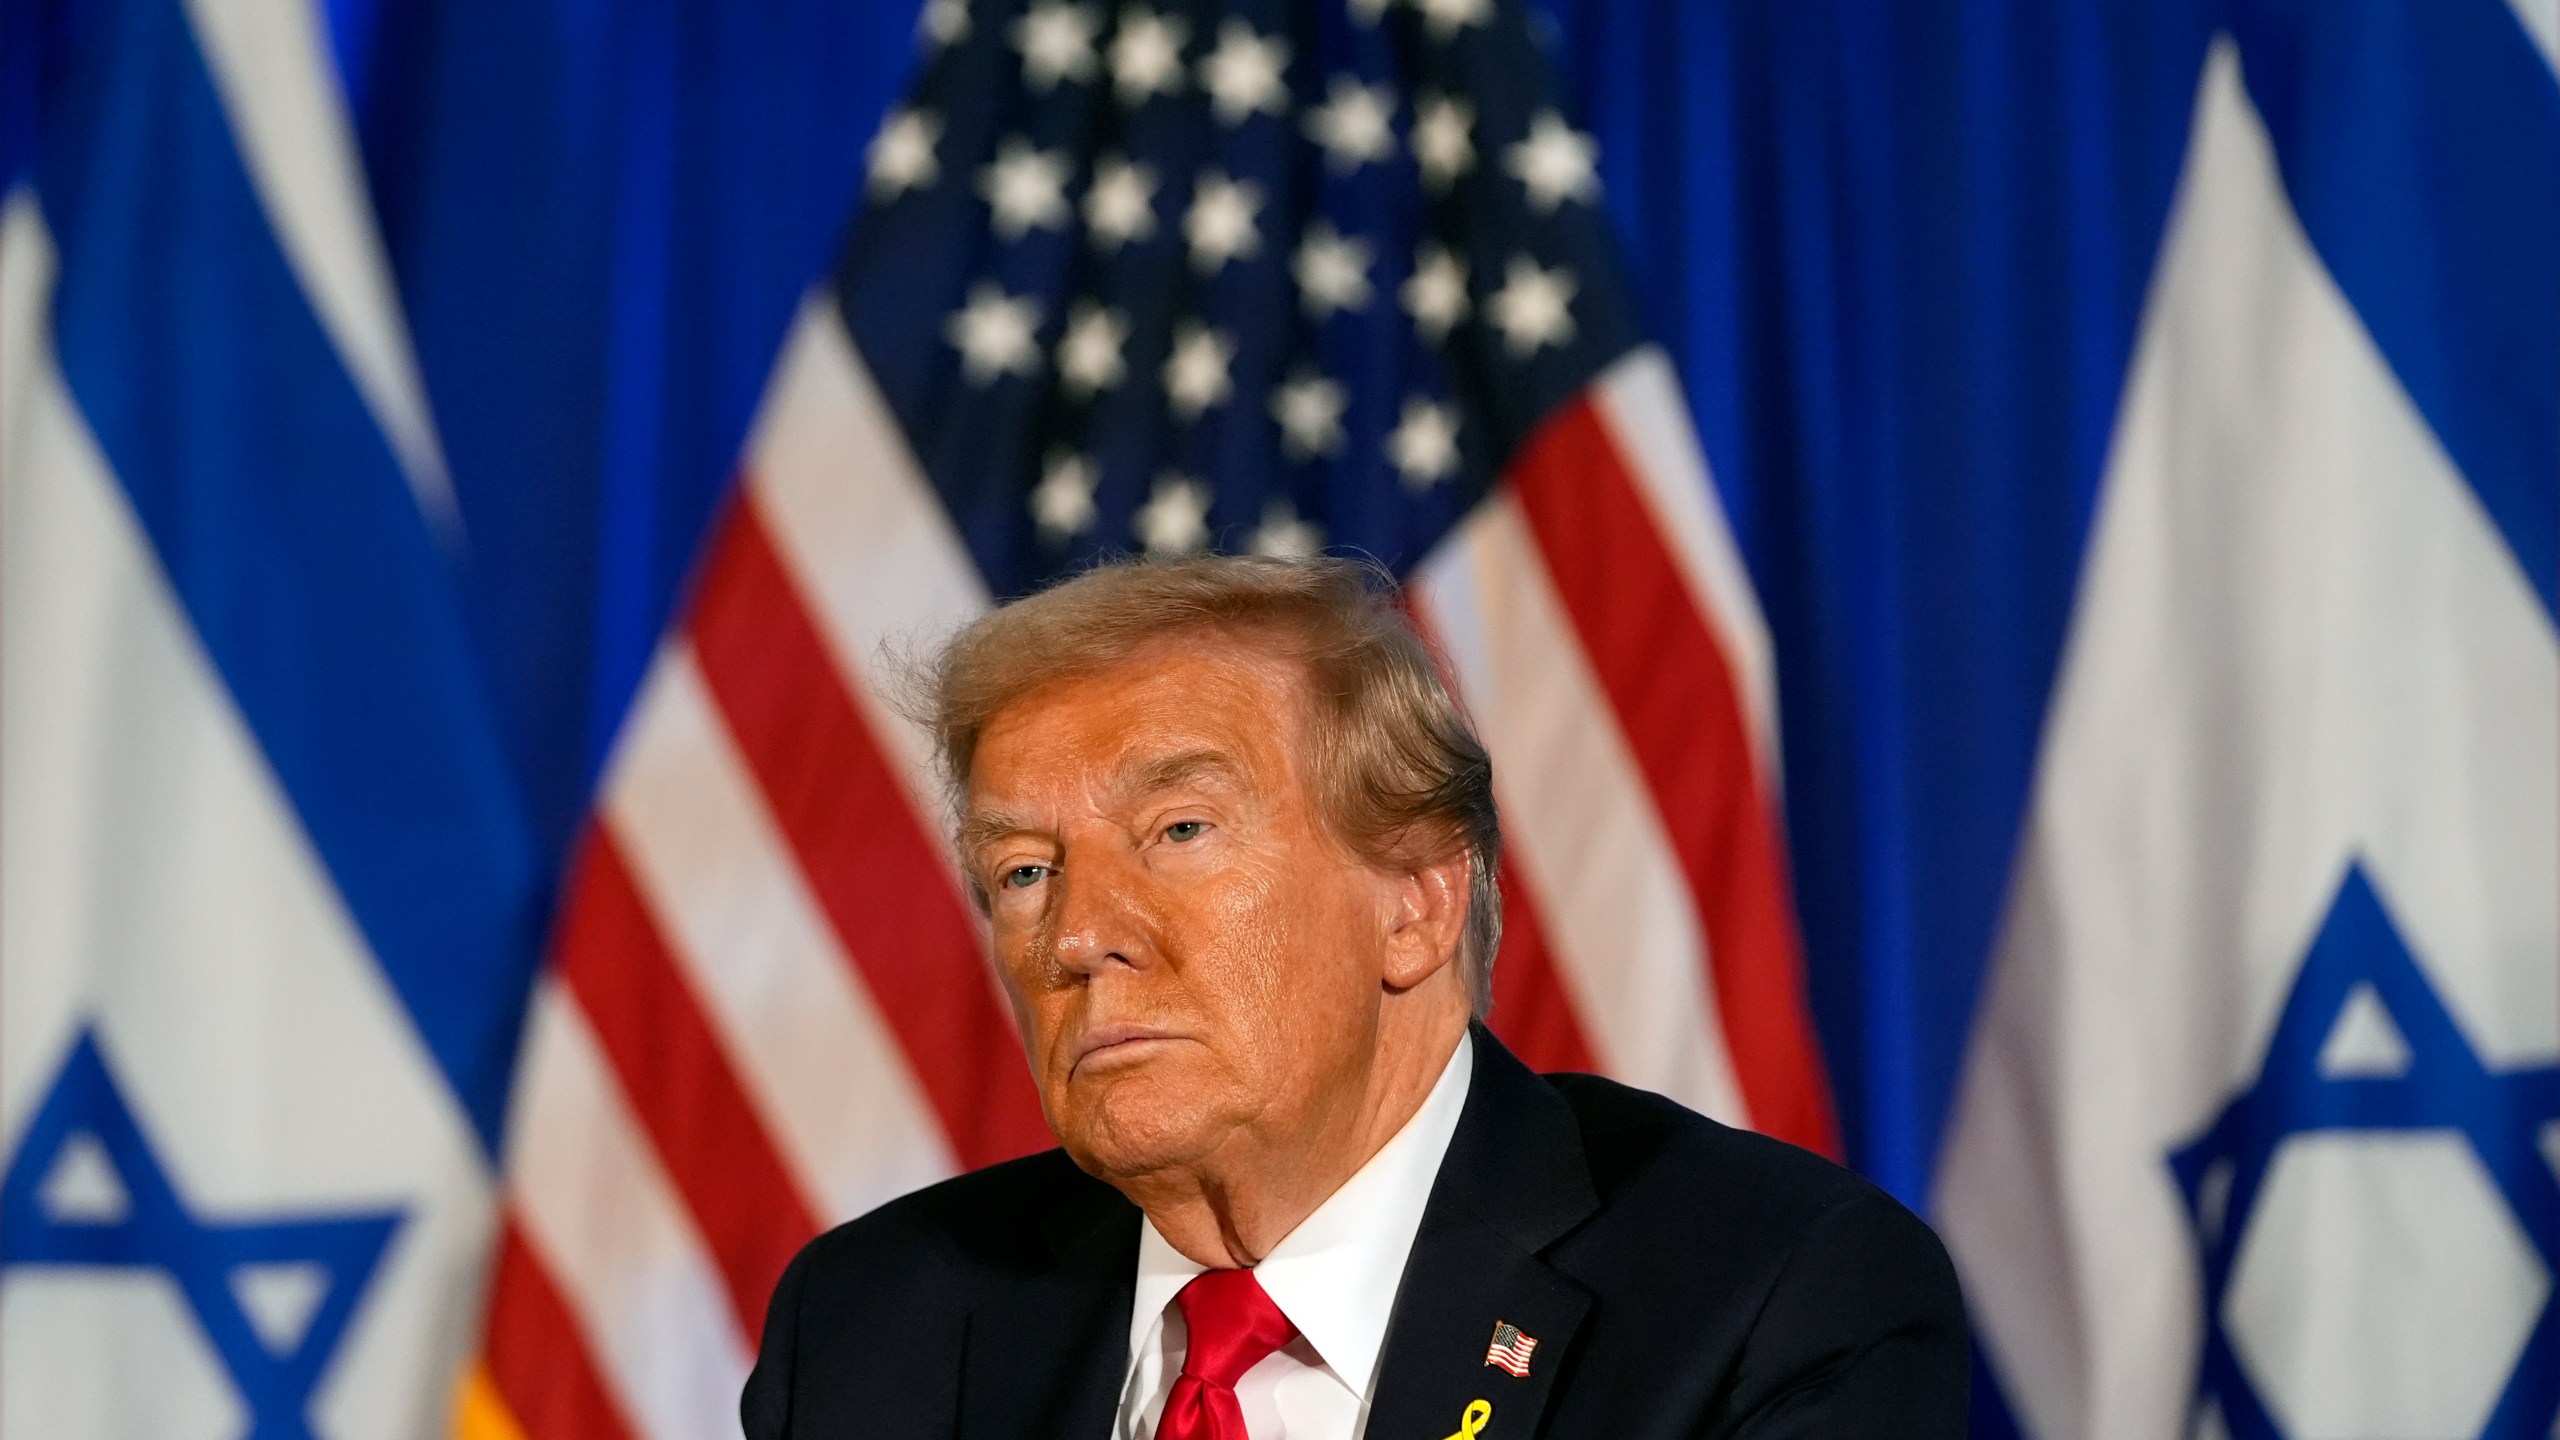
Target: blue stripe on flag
[(19, 20), (2420, 141), (1913, 244), (286, 529), (646, 192)]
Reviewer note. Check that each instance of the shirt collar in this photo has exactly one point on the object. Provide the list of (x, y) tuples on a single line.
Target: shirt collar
[(1335, 1275)]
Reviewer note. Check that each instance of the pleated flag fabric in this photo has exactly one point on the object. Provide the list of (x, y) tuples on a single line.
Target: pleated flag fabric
[(2006, 553), (1134, 281)]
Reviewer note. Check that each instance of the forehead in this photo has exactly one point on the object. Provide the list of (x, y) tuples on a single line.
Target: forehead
[(1211, 693)]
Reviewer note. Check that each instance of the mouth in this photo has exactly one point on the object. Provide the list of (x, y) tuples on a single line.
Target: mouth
[(1117, 1043)]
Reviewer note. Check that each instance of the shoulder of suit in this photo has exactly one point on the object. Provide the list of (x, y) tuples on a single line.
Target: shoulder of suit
[(987, 1221), (1647, 1152)]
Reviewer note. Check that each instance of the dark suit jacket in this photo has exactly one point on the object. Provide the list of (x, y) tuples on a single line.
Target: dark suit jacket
[(1681, 1279)]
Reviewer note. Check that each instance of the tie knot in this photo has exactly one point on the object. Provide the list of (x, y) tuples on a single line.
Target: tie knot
[(1233, 1325)]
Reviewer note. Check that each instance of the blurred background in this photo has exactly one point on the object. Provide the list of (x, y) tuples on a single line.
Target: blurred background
[(2006, 552)]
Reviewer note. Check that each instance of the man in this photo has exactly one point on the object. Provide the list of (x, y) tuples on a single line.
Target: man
[(1236, 844)]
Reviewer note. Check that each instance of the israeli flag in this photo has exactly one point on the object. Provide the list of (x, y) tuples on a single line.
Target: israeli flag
[(2259, 1128), (267, 902)]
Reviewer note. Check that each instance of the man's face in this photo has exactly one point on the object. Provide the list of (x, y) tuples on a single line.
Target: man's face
[(1195, 961)]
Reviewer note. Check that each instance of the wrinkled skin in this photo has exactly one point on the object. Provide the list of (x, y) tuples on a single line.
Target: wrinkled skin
[(1227, 1011)]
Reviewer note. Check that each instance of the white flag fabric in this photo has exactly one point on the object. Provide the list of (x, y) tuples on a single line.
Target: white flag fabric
[(2006, 556), (2259, 1129), (244, 1193)]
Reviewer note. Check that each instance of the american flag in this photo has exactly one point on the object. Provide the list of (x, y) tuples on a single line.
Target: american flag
[(1251, 276), (1510, 1348)]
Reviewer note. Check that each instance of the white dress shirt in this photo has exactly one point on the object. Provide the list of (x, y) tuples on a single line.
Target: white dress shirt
[(1335, 1277)]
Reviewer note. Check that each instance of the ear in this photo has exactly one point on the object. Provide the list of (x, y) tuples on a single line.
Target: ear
[(1429, 920)]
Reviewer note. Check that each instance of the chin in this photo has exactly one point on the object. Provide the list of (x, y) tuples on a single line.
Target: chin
[(1130, 1125)]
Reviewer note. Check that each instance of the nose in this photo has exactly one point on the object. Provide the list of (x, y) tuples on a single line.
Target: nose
[(1100, 919)]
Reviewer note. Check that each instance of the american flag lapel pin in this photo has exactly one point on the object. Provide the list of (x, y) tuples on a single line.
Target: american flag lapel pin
[(1510, 1348)]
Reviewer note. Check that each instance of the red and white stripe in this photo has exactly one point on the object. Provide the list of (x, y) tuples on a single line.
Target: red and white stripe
[(768, 1008), (1598, 622), (1511, 1349)]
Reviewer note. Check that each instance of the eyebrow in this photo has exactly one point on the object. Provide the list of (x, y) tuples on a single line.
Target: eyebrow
[(1172, 772), (987, 826), (1169, 772)]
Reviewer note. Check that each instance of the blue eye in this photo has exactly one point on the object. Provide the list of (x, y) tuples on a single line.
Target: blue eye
[(1182, 830), (1023, 877)]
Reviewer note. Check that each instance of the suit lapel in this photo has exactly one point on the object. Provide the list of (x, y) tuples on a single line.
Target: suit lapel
[(1047, 1355), (1460, 1284), (1514, 1182)]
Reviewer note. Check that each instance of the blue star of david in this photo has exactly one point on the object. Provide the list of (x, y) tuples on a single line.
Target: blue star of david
[(153, 1228), (2445, 1087)]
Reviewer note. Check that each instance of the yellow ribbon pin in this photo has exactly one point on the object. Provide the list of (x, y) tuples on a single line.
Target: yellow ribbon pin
[(1470, 1425)]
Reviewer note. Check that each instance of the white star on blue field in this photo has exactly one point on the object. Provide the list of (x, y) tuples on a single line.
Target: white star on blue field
[(1170, 278)]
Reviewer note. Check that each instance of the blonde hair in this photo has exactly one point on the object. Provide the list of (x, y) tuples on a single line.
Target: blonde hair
[(1401, 777)]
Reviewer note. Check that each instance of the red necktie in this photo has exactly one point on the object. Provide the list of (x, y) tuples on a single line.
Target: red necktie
[(1233, 1326)]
